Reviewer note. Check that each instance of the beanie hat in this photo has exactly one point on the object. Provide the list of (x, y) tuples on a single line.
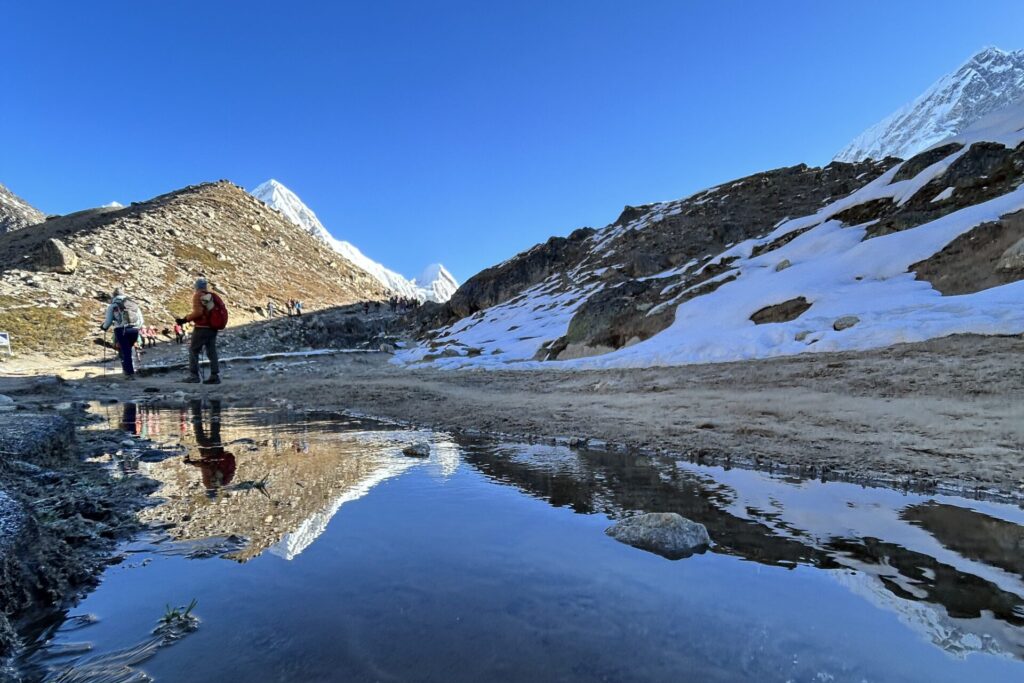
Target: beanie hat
[(201, 283)]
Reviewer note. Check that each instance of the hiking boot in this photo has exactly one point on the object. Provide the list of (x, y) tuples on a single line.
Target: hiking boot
[(215, 379), (192, 380)]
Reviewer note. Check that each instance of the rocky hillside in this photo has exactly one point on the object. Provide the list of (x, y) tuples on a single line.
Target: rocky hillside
[(849, 256), (16, 213), (55, 279), (988, 81)]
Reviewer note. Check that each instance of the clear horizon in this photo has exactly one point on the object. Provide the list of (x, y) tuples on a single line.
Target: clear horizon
[(457, 134)]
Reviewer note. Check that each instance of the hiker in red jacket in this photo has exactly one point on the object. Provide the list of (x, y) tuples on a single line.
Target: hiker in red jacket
[(208, 316)]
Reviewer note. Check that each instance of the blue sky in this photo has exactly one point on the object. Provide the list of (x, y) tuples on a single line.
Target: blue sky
[(460, 132)]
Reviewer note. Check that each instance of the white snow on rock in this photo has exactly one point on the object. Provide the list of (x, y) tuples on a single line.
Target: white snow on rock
[(439, 286), (113, 205), (831, 265), (987, 82)]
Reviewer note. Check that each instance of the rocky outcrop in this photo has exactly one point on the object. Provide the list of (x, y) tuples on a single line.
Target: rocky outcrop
[(989, 255), (55, 257), (668, 534), (502, 282), (781, 313), (984, 171), (16, 213)]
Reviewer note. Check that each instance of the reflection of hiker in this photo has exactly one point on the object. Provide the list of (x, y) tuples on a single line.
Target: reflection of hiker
[(208, 316), (216, 464), (126, 318), (130, 418)]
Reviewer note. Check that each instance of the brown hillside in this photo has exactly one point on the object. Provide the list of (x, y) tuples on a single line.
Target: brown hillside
[(53, 294)]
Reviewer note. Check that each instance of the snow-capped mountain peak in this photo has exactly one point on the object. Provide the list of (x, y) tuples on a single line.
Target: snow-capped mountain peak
[(438, 283), (435, 284), (277, 196), (989, 80)]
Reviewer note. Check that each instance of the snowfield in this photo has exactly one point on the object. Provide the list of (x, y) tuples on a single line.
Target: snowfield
[(837, 271)]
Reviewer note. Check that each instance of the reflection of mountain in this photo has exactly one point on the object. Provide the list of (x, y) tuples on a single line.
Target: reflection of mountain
[(297, 540), (968, 600), (288, 484)]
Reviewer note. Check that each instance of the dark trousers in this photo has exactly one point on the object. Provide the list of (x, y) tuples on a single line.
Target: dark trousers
[(203, 337), (126, 338)]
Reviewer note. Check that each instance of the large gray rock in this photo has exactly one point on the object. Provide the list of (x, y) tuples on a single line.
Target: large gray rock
[(664, 533), (56, 257), (845, 323)]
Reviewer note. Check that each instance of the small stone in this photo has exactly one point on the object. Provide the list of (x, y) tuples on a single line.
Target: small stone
[(664, 533), (782, 265)]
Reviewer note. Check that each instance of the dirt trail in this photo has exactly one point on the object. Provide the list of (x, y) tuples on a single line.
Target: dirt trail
[(948, 411)]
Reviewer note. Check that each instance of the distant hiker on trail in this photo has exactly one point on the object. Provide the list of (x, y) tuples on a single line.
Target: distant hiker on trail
[(209, 315), (298, 308), (179, 333), (126, 318), (270, 308), (291, 307)]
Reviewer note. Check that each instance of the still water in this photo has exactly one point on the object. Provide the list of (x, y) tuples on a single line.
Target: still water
[(316, 551)]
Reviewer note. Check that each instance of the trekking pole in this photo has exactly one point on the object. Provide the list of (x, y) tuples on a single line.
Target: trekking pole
[(202, 357)]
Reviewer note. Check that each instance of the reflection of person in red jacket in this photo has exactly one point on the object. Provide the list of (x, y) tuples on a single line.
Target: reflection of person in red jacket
[(216, 464)]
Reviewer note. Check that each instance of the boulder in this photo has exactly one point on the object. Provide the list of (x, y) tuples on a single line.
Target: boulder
[(782, 312), (782, 265), (845, 323), (417, 450), (664, 533), (56, 257)]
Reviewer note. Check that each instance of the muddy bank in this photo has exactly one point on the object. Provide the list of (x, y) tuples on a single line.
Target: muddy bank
[(60, 516), (948, 412)]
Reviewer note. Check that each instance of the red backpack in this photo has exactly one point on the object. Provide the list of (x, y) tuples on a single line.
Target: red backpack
[(218, 315)]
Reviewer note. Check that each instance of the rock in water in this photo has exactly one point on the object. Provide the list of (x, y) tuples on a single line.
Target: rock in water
[(664, 533), (56, 257), (417, 450)]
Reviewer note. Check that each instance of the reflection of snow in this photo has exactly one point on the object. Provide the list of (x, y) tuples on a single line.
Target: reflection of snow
[(958, 637), (294, 542), (446, 457)]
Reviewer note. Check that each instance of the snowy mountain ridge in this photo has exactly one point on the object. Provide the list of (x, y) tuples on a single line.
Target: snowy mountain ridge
[(848, 257), (435, 284), (986, 82)]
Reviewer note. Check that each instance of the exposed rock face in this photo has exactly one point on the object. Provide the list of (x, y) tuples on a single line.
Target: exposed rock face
[(55, 257), (990, 255), (668, 534), (781, 313), (502, 282), (983, 171), (16, 213), (155, 250)]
